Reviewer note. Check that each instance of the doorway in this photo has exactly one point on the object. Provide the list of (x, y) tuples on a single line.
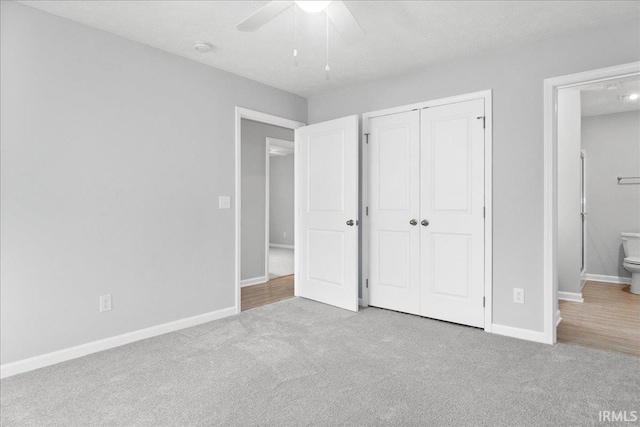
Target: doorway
[(326, 210), (280, 202), (583, 253), (595, 210), (262, 277)]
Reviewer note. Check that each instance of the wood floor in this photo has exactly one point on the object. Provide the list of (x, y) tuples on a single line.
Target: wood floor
[(608, 319), (274, 290)]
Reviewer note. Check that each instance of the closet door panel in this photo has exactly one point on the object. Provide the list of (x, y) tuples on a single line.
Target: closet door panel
[(452, 201), (393, 203)]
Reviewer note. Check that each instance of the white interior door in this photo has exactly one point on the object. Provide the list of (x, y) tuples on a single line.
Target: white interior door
[(452, 201), (327, 226), (394, 162)]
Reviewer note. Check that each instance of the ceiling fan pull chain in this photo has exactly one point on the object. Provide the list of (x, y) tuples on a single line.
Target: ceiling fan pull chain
[(295, 35), (327, 68)]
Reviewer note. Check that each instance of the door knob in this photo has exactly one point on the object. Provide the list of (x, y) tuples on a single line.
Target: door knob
[(413, 222), (350, 223), (424, 222)]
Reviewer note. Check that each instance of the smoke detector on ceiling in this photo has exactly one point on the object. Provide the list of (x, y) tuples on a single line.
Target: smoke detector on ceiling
[(202, 47)]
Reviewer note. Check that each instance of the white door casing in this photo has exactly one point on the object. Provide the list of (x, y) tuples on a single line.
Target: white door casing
[(452, 201), (394, 164), (327, 197)]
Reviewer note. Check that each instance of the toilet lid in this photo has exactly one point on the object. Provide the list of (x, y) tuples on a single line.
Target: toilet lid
[(632, 260)]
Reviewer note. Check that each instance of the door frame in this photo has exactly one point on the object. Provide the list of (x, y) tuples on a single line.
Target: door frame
[(257, 116), (485, 95), (583, 209), (551, 314)]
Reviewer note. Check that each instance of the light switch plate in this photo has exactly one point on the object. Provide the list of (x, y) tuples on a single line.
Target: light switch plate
[(224, 202)]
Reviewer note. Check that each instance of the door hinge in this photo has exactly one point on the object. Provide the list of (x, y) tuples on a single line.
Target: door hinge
[(483, 301), (366, 210), (483, 121), (367, 283), (366, 136), (484, 212)]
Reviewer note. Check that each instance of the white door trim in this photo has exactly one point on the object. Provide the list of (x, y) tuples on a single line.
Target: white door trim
[(583, 207), (551, 87), (486, 95), (244, 113)]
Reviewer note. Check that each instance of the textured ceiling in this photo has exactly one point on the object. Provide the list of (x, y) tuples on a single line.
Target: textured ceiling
[(402, 37), (597, 99)]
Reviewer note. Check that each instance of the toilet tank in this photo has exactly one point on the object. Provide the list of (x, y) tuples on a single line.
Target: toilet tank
[(631, 244)]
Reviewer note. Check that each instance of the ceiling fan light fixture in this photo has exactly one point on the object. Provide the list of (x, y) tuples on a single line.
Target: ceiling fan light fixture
[(312, 6), (630, 97)]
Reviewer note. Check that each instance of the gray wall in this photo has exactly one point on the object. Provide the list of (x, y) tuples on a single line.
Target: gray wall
[(516, 78), (281, 205), (612, 146), (254, 187), (569, 220), (113, 157)]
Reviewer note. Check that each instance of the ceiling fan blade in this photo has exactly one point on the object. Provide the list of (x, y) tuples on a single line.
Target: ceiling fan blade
[(345, 22), (264, 15)]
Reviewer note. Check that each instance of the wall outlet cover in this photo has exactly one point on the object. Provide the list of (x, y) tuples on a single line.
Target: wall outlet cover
[(105, 303), (518, 295)]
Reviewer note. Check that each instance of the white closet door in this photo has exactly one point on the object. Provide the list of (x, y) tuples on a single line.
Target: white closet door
[(327, 229), (452, 201), (394, 143)]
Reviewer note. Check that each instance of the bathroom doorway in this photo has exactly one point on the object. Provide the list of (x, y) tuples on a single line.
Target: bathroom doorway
[(598, 204)]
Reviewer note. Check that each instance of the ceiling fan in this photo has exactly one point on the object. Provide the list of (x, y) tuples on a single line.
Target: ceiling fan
[(337, 12)]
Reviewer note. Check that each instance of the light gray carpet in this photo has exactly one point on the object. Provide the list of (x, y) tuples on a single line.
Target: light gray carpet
[(298, 363), (280, 262)]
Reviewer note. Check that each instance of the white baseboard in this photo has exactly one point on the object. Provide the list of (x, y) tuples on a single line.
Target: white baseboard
[(254, 281), (609, 279), (278, 245), (570, 296), (523, 334), (558, 317), (26, 365)]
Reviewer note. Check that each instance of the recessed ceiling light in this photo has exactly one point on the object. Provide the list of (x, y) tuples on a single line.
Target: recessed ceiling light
[(612, 86), (202, 47), (312, 6), (633, 96)]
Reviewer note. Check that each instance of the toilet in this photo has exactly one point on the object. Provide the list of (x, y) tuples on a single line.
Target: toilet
[(631, 245)]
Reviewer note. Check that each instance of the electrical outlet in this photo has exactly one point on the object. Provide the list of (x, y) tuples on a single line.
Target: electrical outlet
[(518, 295), (284, 234), (105, 303)]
